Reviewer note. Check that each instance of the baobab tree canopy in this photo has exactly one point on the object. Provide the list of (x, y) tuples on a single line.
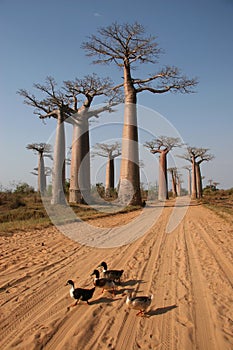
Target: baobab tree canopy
[(163, 143), (127, 44), (43, 148), (107, 150)]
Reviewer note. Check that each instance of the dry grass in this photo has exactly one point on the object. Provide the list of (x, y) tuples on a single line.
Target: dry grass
[(221, 202), (24, 212)]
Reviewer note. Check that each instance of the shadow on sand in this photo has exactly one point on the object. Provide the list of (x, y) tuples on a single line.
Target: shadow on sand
[(130, 283), (103, 300), (161, 310)]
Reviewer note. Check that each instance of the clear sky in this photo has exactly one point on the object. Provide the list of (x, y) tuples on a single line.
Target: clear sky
[(41, 38)]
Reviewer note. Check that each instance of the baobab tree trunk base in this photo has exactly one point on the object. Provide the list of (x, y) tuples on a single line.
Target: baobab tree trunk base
[(58, 198), (107, 192), (127, 195), (75, 196), (162, 199)]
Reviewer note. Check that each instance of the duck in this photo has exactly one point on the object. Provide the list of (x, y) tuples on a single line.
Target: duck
[(114, 275), (140, 303), (80, 293), (104, 283)]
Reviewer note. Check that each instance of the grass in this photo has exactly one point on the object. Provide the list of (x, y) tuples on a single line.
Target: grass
[(221, 202), (24, 212)]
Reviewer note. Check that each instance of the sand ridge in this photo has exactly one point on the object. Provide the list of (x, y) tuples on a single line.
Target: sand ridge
[(188, 271)]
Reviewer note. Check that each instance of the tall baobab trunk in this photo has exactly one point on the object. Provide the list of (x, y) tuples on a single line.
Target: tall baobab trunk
[(109, 184), (163, 186), (198, 180), (76, 158), (80, 162), (189, 182), (174, 184), (129, 192), (41, 174), (58, 178), (194, 180), (178, 186)]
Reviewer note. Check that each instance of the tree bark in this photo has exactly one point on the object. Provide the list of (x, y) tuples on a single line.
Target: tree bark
[(58, 196), (163, 186), (80, 162), (129, 191), (41, 174), (174, 187), (194, 180), (109, 184), (189, 183), (199, 180)]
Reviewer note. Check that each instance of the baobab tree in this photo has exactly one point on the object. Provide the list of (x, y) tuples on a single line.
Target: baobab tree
[(196, 156), (47, 172), (110, 151), (55, 104), (179, 181), (173, 172), (187, 167), (43, 150), (88, 88), (62, 104), (163, 145), (126, 46)]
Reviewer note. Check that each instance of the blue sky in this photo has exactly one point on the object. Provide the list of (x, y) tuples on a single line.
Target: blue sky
[(41, 38)]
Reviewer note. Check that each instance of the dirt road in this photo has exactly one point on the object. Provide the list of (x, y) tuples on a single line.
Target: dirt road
[(189, 272)]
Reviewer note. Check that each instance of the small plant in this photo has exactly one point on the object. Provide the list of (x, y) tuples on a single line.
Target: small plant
[(24, 188), (17, 202)]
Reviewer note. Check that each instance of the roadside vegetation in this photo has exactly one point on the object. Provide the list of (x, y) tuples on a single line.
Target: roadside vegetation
[(23, 209), (221, 201)]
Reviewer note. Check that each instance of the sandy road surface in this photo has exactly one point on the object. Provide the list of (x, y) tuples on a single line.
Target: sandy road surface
[(189, 271)]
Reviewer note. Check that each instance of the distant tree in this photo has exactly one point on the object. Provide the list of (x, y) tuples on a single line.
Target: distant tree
[(179, 181), (163, 145), (43, 150), (189, 178), (110, 151), (125, 46), (196, 156), (173, 172), (215, 184)]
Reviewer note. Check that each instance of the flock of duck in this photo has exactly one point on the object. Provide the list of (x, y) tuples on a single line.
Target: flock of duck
[(109, 281)]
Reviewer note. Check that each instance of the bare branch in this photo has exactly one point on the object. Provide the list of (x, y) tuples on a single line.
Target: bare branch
[(198, 155), (163, 144), (119, 42), (168, 79), (107, 150)]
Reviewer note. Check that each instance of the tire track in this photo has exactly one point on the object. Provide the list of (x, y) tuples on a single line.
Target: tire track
[(152, 249), (33, 307), (206, 336), (223, 263)]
